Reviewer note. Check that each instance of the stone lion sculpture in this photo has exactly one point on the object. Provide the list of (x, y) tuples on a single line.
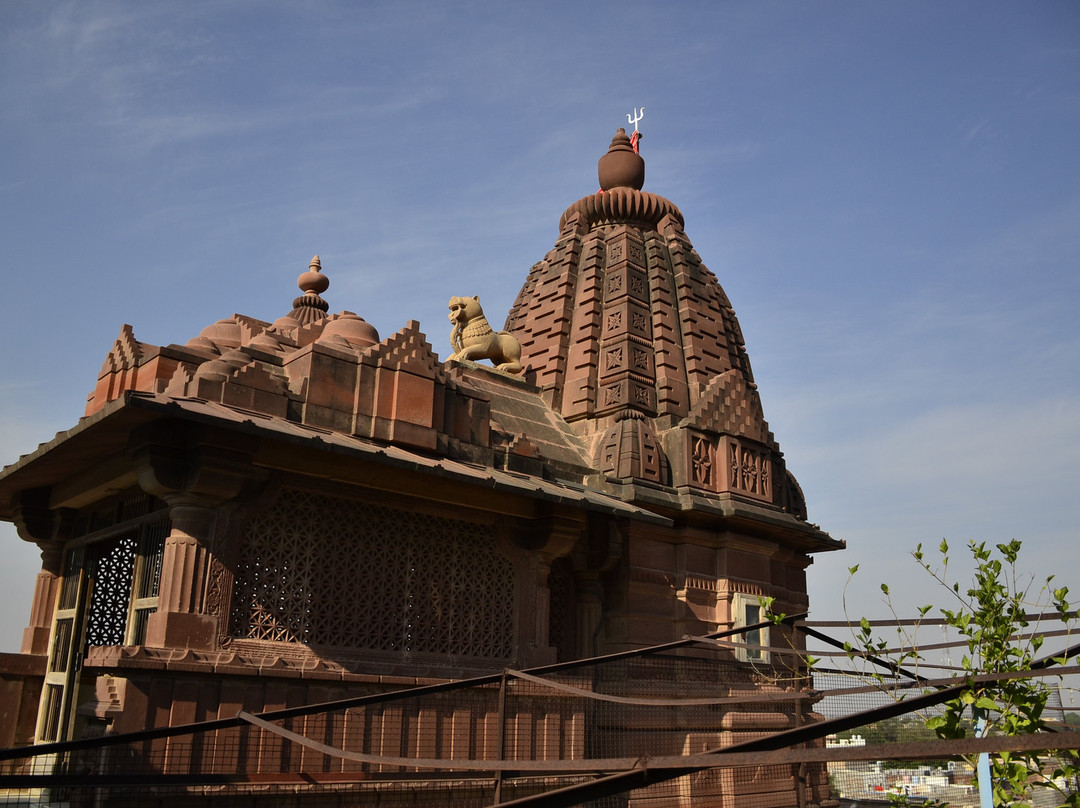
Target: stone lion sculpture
[(473, 338)]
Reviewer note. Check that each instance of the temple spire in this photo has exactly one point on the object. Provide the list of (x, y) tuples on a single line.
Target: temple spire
[(637, 346)]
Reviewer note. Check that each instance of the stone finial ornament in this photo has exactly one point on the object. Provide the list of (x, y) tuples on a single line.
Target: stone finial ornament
[(621, 167), (309, 307), (473, 338)]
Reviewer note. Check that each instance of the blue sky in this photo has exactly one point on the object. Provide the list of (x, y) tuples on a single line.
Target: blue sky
[(887, 192)]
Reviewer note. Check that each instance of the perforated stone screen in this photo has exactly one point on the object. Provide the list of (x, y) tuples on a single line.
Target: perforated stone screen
[(329, 571), (107, 615)]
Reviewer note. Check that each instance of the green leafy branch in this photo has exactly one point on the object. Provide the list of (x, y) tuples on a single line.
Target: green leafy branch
[(992, 618)]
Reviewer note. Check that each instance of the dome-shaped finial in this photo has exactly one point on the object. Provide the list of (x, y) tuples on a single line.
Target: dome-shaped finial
[(313, 281), (309, 307), (621, 167)]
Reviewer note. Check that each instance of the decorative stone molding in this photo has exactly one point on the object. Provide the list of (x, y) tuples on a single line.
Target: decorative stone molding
[(619, 206), (629, 449), (34, 520), (730, 405), (183, 463)]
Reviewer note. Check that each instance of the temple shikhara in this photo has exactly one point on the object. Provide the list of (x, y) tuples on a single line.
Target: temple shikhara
[(354, 573)]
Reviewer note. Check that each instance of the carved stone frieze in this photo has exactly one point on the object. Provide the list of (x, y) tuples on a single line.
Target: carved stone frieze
[(749, 469)]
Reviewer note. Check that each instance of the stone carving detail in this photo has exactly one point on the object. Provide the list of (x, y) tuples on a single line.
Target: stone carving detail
[(626, 279), (614, 320), (389, 580), (615, 358), (629, 449), (216, 594), (749, 479), (701, 461), (730, 405), (749, 470), (473, 338)]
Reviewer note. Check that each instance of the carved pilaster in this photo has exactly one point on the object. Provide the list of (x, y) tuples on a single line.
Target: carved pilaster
[(589, 597), (540, 651), (548, 537), (194, 469), (36, 522), (180, 620), (186, 559), (35, 639)]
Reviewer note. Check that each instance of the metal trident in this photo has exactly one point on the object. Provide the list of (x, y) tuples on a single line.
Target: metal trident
[(637, 116)]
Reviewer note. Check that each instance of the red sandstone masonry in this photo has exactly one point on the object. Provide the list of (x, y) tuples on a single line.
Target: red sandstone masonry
[(629, 333)]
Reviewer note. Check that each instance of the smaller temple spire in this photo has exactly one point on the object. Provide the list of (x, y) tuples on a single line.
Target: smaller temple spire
[(309, 307), (622, 166)]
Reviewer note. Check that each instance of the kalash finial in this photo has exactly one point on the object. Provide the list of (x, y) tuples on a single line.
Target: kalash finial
[(309, 307), (622, 166)]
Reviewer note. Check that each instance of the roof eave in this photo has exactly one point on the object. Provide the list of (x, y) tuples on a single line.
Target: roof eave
[(106, 432)]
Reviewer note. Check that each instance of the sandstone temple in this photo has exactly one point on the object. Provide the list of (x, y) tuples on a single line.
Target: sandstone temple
[(280, 513)]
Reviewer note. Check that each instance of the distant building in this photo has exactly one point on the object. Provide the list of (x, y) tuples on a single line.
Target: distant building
[(287, 511)]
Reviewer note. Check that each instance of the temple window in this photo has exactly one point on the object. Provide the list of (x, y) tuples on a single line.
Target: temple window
[(110, 581), (747, 611)]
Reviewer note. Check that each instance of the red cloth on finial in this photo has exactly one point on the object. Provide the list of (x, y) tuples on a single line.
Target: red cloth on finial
[(634, 141)]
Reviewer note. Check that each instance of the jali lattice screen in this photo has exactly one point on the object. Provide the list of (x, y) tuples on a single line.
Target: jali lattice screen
[(329, 571)]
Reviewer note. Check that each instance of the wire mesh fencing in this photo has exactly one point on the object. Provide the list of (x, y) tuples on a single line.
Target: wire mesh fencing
[(710, 721)]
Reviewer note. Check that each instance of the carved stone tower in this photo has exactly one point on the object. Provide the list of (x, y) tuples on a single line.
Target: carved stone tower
[(634, 342)]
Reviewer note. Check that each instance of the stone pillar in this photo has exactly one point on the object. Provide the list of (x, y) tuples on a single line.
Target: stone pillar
[(195, 469), (180, 620), (550, 536), (543, 603), (536, 619), (35, 639), (49, 529)]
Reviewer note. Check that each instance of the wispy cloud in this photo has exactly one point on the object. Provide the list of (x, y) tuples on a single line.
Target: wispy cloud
[(989, 472)]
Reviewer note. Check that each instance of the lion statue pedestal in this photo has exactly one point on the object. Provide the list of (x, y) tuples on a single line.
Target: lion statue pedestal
[(473, 338)]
